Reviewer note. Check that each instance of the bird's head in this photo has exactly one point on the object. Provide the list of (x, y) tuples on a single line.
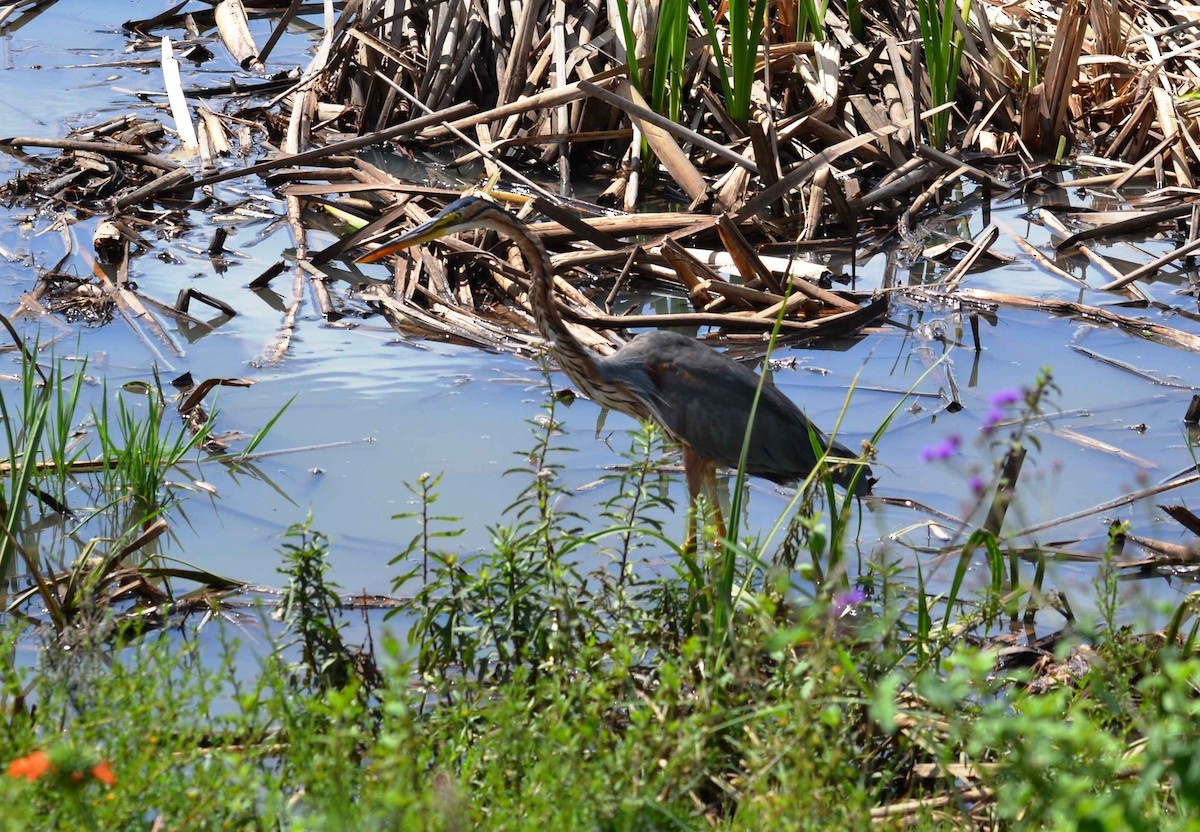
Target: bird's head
[(461, 215)]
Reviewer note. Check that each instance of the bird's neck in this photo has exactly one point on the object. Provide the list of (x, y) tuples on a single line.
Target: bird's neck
[(576, 360)]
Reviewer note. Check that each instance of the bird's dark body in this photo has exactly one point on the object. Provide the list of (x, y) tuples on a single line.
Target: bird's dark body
[(703, 399)]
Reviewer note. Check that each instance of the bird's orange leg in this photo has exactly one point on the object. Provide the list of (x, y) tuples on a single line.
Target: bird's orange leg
[(701, 475), (693, 472), (714, 497)]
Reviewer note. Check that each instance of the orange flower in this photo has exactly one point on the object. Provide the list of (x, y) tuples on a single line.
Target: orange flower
[(32, 767), (69, 766), (103, 773)]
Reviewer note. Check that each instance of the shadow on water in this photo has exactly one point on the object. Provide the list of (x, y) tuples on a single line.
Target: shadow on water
[(372, 409)]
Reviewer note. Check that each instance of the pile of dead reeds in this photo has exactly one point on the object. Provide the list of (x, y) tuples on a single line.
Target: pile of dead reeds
[(821, 130)]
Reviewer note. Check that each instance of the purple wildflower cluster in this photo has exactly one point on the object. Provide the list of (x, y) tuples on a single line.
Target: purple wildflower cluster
[(945, 449), (997, 402)]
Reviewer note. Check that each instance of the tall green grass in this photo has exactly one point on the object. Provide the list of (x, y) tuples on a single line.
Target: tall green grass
[(44, 435), (670, 56), (133, 434), (810, 18), (735, 70), (943, 47), (731, 549), (24, 429), (745, 36)]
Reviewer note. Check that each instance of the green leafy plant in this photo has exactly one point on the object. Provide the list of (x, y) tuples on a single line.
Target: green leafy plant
[(562, 703), (311, 608), (642, 492), (513, 607)]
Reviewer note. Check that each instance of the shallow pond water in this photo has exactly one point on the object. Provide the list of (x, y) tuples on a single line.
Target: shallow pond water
[(388, 410)]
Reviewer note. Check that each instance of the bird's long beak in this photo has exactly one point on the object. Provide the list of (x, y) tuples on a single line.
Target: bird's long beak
[(437, 227)]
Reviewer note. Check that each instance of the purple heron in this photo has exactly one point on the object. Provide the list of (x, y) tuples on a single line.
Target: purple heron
[(701, 397)]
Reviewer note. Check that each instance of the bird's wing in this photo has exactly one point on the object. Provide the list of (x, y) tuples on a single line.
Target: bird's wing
[(703, 398)]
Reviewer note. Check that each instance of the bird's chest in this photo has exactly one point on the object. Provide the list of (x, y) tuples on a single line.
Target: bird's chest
[(614, 397)]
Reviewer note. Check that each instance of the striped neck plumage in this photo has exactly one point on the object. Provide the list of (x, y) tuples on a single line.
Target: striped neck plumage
[(576, 360)]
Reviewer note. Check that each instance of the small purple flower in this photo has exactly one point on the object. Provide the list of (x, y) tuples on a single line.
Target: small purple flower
[(994, 417), (945, 449), (844, 602), (976, 483), (997, 402), (1004, 398)]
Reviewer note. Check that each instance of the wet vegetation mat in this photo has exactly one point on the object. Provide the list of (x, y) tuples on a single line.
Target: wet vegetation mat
[(729, 167)]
